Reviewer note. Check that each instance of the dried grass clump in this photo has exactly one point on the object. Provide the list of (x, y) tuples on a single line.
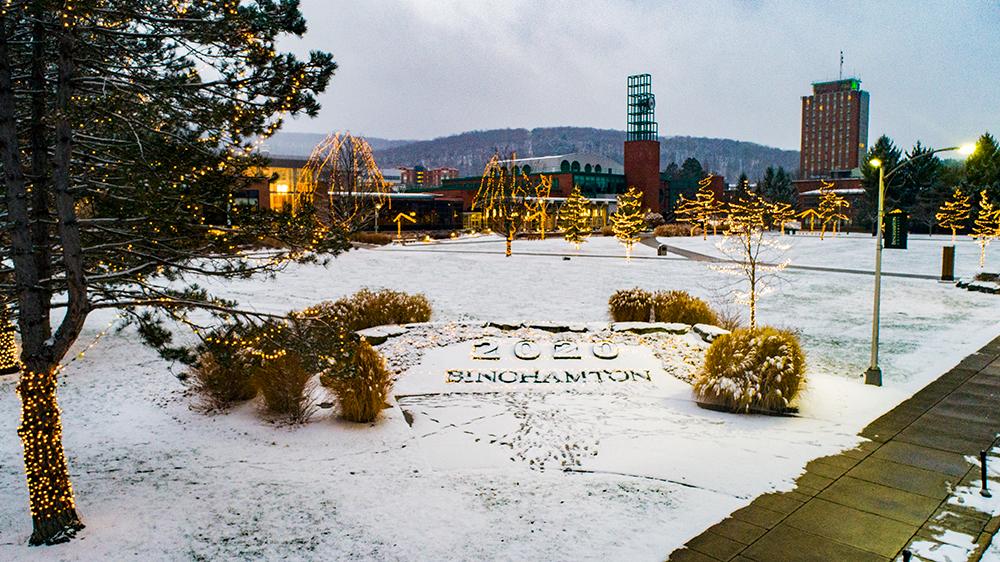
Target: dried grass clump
[(676, 229), (607, 230), (376, 238), (368, 308), (752, 370), (362, 383), (222, 373), (681, 306), (284, 385), (630, 305)]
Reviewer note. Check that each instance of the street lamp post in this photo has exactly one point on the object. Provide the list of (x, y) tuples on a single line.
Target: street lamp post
[(873, 375)]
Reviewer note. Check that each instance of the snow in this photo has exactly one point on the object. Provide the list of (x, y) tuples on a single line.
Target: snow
[(568, 475)]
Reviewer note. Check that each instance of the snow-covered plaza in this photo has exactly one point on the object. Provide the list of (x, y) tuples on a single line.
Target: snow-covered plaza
[(627, 472)]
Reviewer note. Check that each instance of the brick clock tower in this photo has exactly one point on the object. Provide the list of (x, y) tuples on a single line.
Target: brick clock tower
[(642, 145)]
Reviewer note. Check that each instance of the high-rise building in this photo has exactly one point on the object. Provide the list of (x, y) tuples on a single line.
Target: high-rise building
[(834, 130)]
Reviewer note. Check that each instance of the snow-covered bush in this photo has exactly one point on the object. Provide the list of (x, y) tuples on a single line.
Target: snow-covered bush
[(653, 220), (284, 385), (367, 308), (746, 370), (676, 229), (630, 305), (681, 306), (361, 385)]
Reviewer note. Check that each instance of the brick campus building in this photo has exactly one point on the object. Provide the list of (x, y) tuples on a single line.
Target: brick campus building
[(441, 201), (834, 140), (600, 179)]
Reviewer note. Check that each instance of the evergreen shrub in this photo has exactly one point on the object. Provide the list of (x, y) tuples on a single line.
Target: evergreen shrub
[(752, 370), (630, 305), (680, 306)]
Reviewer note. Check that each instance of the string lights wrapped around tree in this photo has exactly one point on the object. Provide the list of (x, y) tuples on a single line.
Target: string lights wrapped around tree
[(344, 182), (756, 258), (503, 197), (627, 221), (781, 214), (954, 212), (574, 218), (537, 206), (986, 227), (707, 207), (9, 361), (832, 208)]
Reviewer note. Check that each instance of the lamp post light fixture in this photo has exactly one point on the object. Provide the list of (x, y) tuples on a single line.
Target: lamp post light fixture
[(873, 375)]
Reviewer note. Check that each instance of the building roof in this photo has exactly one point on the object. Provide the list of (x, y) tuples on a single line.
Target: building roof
[(554, 163), (840, 191)]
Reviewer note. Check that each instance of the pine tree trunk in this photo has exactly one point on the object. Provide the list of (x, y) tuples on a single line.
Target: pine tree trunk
[(50, 493)]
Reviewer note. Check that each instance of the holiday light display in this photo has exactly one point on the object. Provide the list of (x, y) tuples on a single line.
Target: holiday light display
[(781, 214), (812, 215), (627, 221), (954, 212), (344, 182), (507, 198), (537, 206), (986, 227), (756, 259), (831, 208), (701, 211), (574, 218), (9, 361)]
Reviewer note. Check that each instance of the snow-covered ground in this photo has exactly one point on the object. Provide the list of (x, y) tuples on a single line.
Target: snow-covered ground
[(156, 480)]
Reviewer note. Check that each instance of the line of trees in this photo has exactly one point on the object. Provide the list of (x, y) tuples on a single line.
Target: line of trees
[(921, 187)]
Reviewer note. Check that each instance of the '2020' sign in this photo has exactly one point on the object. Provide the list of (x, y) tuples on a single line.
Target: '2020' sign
[(530, 349)]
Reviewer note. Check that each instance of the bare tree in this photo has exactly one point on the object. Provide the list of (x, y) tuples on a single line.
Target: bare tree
[(345, 182), (756, 258)]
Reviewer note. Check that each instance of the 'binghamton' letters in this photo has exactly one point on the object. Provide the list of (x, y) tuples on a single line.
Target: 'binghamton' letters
[(546, 377)]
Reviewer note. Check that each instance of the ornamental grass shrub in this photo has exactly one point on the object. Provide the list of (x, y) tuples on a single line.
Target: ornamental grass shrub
[(752, 370), (681, 306), (284, 385), (376, 238), (676, 229), (361, 382), (222, 373), (630, 305), (367, 308)]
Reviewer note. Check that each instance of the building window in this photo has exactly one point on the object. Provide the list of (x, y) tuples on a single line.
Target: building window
[(588, 168), (597, 168), (575, 166), (564, 166)]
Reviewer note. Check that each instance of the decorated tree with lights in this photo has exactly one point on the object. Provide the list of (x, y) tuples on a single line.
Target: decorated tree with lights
[(708, 207), (126, 128), (505, 197), (986, 227), (574, 218), (832, 208), (537, 206), (627, 221), (781, 214), (687, 211), (756, 259), (345, 183), (954, 212)]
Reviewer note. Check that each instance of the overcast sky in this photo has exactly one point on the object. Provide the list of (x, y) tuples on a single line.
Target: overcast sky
[(419, 69)]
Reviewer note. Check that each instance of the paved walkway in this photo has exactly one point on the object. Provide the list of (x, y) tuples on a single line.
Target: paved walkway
[(696, 256), (872, 502)]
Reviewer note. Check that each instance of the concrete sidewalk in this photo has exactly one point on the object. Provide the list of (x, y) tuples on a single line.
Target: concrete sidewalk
[(872, 502)]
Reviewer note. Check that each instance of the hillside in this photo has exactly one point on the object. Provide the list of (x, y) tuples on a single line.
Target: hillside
[(469, 151), (301, 144)]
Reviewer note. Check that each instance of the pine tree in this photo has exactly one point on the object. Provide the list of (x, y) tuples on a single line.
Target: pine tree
[(986, 227), (627, 221), (887, 152), (954, 212), (574, 218), (126, 129)]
